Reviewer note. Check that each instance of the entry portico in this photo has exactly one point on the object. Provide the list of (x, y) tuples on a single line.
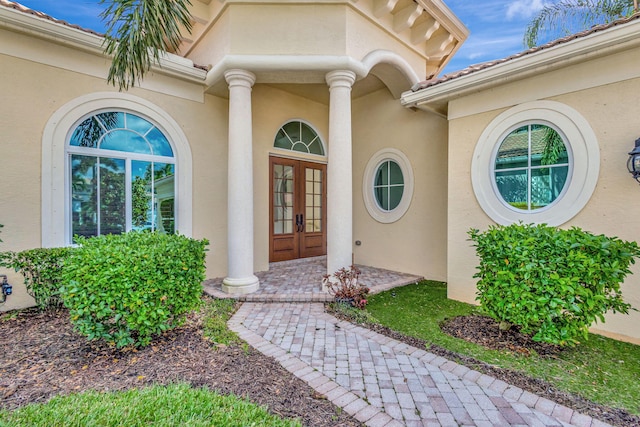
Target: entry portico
[(323, 54)]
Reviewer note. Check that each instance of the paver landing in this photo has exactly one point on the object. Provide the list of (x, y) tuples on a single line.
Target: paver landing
[(384, 382)]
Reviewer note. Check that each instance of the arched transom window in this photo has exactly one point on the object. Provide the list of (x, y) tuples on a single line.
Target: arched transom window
[(121, 176), (299, 136)]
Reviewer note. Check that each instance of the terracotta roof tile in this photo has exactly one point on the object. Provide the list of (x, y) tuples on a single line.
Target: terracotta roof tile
[(482, 66), (24, 9)]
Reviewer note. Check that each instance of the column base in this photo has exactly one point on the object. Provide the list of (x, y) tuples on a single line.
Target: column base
[(241, 286)]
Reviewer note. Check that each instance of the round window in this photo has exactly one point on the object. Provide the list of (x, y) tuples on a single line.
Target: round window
[(531, 167), (388, 185), (537, 162)]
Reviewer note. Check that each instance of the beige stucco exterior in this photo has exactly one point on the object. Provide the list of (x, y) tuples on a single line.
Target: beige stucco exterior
[(372, 51), (56, 70), (379, 122), (607, 99)]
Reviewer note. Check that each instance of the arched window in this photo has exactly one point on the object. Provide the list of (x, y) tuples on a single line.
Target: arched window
[(299, 136), (121, 175)]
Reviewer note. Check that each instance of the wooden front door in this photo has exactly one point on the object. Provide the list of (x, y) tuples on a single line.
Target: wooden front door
[(298, 200)]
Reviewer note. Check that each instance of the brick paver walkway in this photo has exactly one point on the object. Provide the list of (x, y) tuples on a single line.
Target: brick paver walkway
[(383, 382)]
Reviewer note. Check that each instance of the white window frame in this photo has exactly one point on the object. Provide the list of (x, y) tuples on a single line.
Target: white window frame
[(584, 163), (368, 194), (55, 168), (299, 154)]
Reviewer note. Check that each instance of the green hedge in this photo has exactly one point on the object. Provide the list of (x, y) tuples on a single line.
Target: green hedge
[(553, 283), (41, 269), (127, 288)]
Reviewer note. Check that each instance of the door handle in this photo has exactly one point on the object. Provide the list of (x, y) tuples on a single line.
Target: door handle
[(299, 222)]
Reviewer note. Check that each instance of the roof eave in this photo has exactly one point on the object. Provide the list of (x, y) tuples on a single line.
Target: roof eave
[(18, 21), (594, 45)]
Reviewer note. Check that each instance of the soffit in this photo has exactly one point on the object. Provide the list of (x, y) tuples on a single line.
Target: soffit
[(320, 92), (428, 27)]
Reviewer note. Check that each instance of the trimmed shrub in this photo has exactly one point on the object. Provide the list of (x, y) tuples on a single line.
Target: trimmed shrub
[(41, 269), (552, 283), (127, 288)]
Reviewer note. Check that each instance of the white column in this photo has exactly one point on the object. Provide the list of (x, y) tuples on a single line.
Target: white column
[(339, 172), (241, 279)]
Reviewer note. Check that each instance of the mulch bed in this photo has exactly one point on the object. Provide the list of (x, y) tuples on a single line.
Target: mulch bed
[(42, 357), (485, 331)]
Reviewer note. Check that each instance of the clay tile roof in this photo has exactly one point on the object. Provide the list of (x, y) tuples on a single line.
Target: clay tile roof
[(24, 9), (482, 66)]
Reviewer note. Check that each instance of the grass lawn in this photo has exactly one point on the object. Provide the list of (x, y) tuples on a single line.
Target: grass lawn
[(601, 369), (172, 405), (175, 405)]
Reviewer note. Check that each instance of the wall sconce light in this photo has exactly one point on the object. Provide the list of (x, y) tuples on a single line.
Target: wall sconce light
[(633, 164)]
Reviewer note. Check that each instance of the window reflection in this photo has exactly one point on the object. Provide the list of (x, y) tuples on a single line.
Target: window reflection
[(531, 167)]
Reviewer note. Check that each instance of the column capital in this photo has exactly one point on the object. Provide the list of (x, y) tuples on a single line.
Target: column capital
[(340, 78), (238, 77)]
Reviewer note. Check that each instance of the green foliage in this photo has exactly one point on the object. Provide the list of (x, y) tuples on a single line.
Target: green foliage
[(352, 314), (553, 283), (127, 288), (41, 269), (139, 31), (158, 406), (216, 314)]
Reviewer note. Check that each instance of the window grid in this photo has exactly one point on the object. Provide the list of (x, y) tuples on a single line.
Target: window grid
[(529, 168), (384, 188), (124, 198)]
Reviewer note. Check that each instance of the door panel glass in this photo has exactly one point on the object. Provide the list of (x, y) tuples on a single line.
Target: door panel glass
[(283, 199), (313, 211)]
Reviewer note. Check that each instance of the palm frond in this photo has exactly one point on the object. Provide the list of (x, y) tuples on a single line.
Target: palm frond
[(567, 17), (138, 31)]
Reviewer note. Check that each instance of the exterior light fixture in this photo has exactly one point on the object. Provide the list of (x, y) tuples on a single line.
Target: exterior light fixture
[(633, 164)]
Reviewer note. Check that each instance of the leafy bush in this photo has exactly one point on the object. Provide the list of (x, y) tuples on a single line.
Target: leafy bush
[(41, 269), (127, 288), (345, 288), (553, 283)]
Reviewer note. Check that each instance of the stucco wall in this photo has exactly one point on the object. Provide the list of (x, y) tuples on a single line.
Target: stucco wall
[(416, 243), (608, 101), (35, 91)]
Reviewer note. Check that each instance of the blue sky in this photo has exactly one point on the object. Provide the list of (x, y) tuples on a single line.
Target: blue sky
[(497, 26)]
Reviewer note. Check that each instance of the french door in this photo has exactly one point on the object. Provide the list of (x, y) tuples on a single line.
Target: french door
[(298, 199)]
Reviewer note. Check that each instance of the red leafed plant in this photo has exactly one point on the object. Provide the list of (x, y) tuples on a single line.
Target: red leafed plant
[(345, 288)]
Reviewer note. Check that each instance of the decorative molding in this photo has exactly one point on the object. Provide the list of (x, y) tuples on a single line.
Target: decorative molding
[(387, 217), (55, 191), (584, 160)]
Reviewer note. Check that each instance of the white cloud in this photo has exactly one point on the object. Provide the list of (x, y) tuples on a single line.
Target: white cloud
[(524, 8)]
